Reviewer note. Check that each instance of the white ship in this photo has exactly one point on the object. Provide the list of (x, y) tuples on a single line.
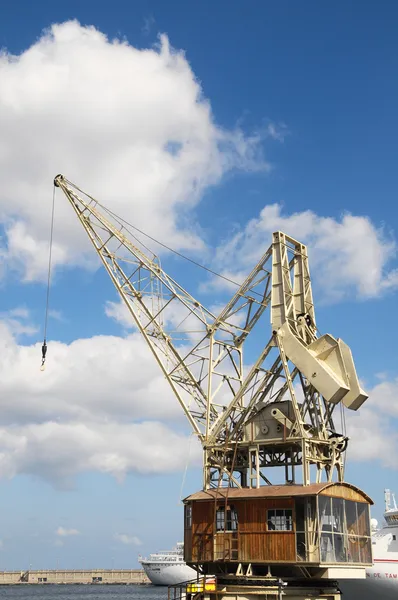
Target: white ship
[(381, 579), (167, 568)]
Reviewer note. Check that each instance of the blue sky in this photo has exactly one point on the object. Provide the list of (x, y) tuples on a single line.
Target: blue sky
[(287, 116)]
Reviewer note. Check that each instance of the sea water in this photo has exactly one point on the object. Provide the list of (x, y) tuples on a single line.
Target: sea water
[(83, 592)]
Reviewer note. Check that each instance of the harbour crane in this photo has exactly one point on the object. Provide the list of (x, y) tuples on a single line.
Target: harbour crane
[(276, 412), (280, 412)]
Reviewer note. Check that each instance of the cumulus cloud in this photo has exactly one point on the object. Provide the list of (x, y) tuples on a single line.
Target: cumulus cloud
[(128, 539), (63, 532), (18, 322), (56, 315), (175, 317), (108, 376), (118, 312), (100, 405), (131, 126), (58, 451), (373, 431), (349, 255)]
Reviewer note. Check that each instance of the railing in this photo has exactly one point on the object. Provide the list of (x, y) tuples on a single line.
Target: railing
[(191, 588)]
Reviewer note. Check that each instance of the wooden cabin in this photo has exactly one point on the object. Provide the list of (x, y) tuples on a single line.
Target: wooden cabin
[(319, 525)]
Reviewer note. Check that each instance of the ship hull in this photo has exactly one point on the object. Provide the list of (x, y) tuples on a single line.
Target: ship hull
[(168, 574), (381, 582)]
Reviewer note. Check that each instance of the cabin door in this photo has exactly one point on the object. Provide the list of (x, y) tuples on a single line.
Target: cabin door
[(226, 537), (226, 546)]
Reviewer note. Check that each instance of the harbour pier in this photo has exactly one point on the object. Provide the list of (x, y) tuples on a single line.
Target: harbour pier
[(79, 576)]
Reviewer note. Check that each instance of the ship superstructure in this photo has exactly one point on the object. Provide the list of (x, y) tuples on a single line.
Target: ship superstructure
[(167, 567)]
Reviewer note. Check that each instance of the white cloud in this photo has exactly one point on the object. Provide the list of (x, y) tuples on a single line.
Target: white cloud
[(58, 451), (101, 405), (385, 395), (107, 376), (128, 539), (56, 315), (277, 131), (149, 23), (131, 126), (349, 256), (118, 312), (175, 318), (20, 312), (63, 532), (373, 431), (18, 322), (98, 406)]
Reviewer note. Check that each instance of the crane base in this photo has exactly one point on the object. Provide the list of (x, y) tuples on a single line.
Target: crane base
[(267, 589)]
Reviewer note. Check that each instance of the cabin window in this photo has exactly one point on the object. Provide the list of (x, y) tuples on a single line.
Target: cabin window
[(280, 519), (345, 531), (188, 516), (332, 521), (226, 520)]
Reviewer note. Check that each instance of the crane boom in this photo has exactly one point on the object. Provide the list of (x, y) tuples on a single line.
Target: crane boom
[(213, 366), (280, 413)]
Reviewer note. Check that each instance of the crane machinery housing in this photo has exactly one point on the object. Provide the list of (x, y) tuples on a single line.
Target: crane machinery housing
[(273, 419)]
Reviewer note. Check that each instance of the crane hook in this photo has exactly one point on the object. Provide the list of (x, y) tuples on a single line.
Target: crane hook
[(43, 354), (44, 346)]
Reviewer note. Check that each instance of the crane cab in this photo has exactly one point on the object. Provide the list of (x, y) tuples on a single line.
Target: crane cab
[(323, 527)]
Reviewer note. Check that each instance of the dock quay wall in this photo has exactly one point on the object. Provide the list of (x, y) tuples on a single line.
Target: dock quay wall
[(60, 576)]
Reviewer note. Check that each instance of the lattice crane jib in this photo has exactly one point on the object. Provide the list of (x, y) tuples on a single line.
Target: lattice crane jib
[(278, 412)]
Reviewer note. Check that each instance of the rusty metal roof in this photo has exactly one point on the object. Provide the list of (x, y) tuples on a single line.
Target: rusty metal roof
[(272, 491)]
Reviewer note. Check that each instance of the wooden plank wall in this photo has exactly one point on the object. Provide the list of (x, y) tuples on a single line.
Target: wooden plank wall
[(339, 491), (187, 538), (254, 544), (275, 546), (203, 517)]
